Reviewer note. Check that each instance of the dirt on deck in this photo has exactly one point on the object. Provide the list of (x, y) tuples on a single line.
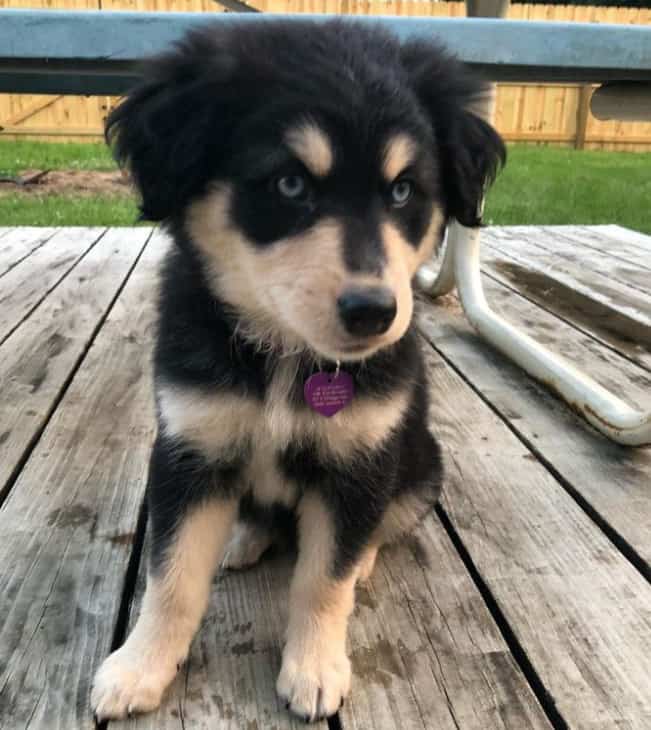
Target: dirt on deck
[(66, 182)]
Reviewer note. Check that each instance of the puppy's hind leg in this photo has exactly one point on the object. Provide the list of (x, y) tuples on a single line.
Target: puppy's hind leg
[(190, 520), (247, 544), (367, 563)]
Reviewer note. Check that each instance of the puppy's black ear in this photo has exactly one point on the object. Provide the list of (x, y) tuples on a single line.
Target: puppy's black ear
[(470, 151), (169, 128)]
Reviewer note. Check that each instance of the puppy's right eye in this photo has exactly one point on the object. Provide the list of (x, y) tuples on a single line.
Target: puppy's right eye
[(292, 187)]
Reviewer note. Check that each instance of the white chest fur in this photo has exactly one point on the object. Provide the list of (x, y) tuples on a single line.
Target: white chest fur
[(224, 426)]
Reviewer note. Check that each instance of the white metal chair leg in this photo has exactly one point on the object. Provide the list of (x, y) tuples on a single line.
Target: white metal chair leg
[(602, 409), (436, 277)]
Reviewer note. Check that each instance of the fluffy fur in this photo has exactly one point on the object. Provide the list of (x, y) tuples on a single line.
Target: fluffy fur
[(305, 171)]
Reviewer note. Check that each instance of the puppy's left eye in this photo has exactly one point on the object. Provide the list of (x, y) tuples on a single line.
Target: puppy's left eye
[(292, 187), (401, 192)]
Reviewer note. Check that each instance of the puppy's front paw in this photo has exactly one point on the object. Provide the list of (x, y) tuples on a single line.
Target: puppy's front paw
[(313, 686), (128, 683)]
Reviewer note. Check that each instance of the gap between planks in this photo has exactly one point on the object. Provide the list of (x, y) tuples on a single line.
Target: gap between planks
[(552, 245), (609, 481), (624, 329), (620, 251), (18, 243), (571, 599), (424, 648), (68, 523), (39, 360), (28, 283)]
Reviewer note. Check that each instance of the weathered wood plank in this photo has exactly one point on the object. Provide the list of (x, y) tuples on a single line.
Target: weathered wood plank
[(612, 313), (229, 679), (620, 250), (425, 650), (17, 243), (68, 523), (27, 284), (37, 359), (589, 273), (577, 607), (613, 479), (627, 235), (550, 243)]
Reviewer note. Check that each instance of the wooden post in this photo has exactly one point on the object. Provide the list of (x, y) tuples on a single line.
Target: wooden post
[(582, 113), (488, 9)]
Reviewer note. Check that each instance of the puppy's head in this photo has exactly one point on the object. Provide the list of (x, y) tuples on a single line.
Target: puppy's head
[(313, 167)]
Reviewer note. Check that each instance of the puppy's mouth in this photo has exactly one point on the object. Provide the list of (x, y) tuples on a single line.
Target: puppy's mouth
[(350, 351), (357, 349)]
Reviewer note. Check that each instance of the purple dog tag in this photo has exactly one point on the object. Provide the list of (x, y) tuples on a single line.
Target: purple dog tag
[(328, 393)]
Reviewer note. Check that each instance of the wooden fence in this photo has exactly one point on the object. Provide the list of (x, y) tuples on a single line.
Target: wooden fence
[(536, 113)]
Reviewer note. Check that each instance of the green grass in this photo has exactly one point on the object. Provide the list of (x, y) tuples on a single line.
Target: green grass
[(17, 156), (550, 185), (540, 185), (65, 210)]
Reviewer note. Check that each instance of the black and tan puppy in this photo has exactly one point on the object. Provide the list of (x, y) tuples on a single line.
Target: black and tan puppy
[(305, 171)]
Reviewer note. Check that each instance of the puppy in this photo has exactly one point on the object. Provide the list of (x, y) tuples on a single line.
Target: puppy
[(305, 171)]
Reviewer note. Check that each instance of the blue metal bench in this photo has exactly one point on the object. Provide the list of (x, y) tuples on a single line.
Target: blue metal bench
[(63, 52), (96, 53)]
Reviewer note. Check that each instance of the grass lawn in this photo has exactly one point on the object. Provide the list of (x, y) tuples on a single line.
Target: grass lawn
[(67, 210), (17, 156), (540, 185)]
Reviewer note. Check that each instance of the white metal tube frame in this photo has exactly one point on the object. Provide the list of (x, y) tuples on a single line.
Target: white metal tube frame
[(460, 265)]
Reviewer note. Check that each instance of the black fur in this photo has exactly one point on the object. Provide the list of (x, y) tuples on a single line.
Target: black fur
[(202, 109), (215, 109)]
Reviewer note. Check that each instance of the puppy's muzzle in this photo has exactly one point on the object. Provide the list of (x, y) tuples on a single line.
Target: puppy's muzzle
[(367, 311)]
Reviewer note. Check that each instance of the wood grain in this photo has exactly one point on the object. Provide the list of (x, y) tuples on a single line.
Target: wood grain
[(229, 679), (594, 238), (68, 524), (37, 359), (614, 480), (17, 243), (29, 282), (548, 243), (612, 313), (425, 650), (577, 607), (625, 235), (587, 272)]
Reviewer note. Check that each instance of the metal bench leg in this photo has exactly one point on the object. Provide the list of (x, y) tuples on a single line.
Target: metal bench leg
[(602, 409), (436, 277), (460, 264)]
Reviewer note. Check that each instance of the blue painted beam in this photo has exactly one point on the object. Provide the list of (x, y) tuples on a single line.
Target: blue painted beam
[(96, 52)]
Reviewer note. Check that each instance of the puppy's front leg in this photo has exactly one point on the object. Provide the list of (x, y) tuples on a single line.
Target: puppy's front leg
[(315, 673), (191, 515)]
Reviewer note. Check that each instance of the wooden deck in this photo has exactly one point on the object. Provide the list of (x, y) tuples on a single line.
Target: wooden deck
[(523, 602)]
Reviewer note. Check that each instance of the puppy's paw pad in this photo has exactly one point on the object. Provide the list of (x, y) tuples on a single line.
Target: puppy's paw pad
[(125, 685), (246, 547), (313, 690)]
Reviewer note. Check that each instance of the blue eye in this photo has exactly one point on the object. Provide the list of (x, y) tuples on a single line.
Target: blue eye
[(401, 192), (292, 187)]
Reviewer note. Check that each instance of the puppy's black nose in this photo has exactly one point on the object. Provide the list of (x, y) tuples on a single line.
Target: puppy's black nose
[(368, 311)]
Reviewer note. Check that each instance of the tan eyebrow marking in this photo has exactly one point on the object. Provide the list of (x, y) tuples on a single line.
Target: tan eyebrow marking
[(399, 153), (312, 146)]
